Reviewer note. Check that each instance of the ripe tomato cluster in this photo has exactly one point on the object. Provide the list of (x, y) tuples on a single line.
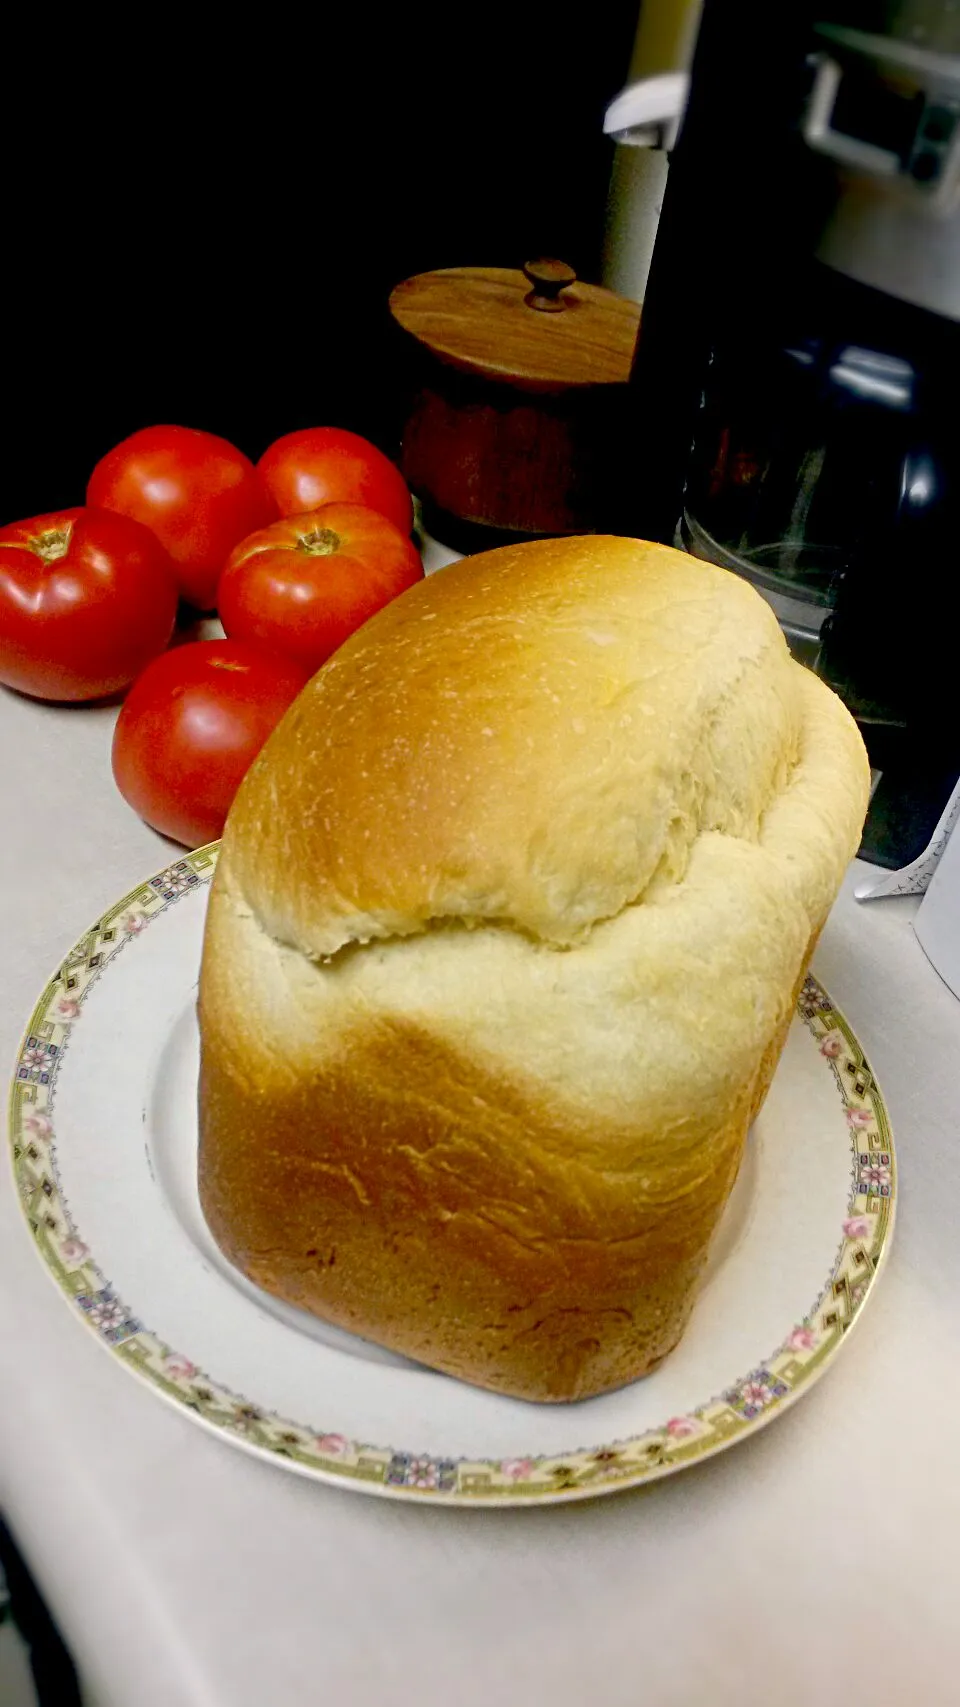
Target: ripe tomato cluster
[(294, 552)]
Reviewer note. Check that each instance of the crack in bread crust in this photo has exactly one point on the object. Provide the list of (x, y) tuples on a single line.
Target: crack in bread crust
[(491, 1020)]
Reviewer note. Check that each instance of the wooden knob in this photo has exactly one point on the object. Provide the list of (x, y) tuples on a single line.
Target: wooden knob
[(548, 279)]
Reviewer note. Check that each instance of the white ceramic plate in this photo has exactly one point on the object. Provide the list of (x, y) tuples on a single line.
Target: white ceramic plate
[(103, 1133)]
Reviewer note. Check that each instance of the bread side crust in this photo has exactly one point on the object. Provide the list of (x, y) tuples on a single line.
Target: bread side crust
[(496, 1154)]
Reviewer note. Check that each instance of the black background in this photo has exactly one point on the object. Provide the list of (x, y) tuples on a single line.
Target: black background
[(203, 223)]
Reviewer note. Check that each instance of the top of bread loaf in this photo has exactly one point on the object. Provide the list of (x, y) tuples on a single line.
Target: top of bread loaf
[(536, 738)]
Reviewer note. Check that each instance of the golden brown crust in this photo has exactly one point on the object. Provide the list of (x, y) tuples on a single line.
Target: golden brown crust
[(410, 1193), (500, 1156), (531, 736)]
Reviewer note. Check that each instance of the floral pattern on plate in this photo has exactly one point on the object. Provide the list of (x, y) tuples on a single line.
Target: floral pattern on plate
[(862, 1235)]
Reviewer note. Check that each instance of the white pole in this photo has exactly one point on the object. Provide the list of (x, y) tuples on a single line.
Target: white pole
[(664, 42)]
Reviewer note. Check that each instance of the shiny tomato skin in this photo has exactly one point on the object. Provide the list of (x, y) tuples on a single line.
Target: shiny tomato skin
[(197, 493), (302, 586), (87, 598), (328, 465), (190, 728)]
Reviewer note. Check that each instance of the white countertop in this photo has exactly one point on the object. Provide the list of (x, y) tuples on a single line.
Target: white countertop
[(816, 1564)]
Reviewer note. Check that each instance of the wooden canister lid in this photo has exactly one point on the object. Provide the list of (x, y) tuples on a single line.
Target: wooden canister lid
[(540, 329)]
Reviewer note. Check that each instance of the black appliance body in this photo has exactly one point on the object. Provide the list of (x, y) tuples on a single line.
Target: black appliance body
[(797, 378)]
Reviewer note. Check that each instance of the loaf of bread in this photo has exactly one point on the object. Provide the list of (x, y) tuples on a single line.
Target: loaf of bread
[(505, 938)]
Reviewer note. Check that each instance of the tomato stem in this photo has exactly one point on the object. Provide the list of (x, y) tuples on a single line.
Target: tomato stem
[(320, 542), (53, 544)]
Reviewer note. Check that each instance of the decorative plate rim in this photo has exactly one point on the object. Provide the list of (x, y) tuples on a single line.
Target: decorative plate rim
[(753, 1401)]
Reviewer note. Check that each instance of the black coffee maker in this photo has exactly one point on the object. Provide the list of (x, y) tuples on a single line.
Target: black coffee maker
[(796, 389)]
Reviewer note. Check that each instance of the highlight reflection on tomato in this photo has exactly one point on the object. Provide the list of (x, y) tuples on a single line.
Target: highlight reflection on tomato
[(304, 585), (198, 493), (328, 465), (86, 599), (191, 727)]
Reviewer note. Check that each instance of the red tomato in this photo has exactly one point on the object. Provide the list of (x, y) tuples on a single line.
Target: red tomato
[(327, 465), (86, 598), (197, 493), (303, 585), (190, 728)]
